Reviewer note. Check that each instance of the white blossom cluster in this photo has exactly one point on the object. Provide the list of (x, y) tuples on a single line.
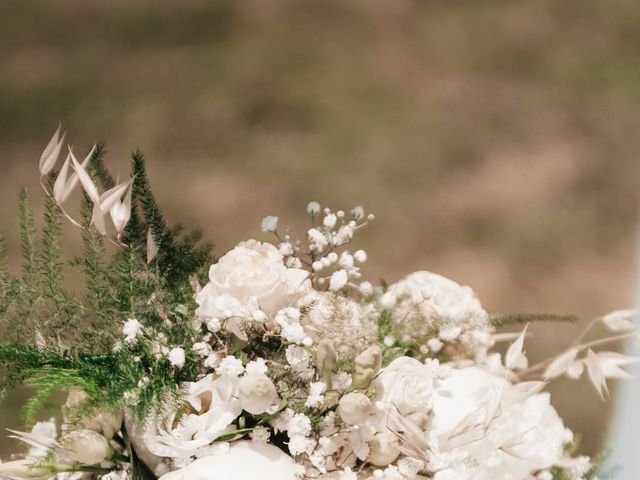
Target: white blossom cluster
[(299, 369), (356, 382)]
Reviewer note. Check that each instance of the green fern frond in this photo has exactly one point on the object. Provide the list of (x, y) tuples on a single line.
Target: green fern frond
[(27, 240), (50, 250)]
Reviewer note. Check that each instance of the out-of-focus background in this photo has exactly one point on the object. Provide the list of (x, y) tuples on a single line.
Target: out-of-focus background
[(496, 141)]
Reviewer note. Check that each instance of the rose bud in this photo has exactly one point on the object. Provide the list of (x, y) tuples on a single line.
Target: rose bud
[(384, 449), (257, 393), (354, 408), (368, 364), (86, 447)]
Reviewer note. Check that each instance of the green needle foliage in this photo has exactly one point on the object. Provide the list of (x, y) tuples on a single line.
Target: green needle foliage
[(54, 339)]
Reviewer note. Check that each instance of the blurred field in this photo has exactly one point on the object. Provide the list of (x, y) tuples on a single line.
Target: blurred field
[(496, 141)]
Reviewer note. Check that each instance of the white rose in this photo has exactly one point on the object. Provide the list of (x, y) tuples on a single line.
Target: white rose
[(405, 387), (438, 296), (257, 393), (504, 429), (212, 407), (354, 408), (429, 304), (250, 277), (244, 460)]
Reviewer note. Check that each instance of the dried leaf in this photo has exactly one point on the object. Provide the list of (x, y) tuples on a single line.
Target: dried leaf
[(112, 196), (121, 211), (66, 182), (620, 319), (515, 357), (561, 364), (596, 374), (610, 362), (86, 181), (50, 155)]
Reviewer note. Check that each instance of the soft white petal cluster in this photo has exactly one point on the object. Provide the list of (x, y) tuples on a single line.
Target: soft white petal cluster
[(250, 283)]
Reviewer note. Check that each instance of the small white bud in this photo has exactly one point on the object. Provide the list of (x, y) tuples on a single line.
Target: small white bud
[(354, 408), (259, 316), (358, 213), (389, 341), (338, 280), (330, 220), (269, 223), (317, 266), (360, 256), (371, 217), (256, 393), (366, 288), (385, 449), (434, 345), (177, 357), (313, 208)]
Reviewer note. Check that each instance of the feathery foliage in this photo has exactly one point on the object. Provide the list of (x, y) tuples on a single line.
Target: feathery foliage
[(52, 339), (521, 318)]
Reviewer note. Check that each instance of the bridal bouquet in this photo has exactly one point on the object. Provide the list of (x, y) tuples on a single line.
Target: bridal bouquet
[(276, 361)]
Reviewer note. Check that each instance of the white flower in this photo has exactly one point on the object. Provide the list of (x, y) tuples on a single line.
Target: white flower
[(212, 361), (427, 304), (434, 345), (299, 424), (260, 434), (259, 365), (213, 405), (316, 397), (257, 393), (506, 430), (230, 366), (202, 349), (330, 220), (250, 277), (131, 329), (360, 256), (244, 460), (405, 387), (85, 446), (354, 408), (269, 223), (384, 449), (313, 208), (177, 357), (439, 296), (366, 288), (317, 239), (338, 280)]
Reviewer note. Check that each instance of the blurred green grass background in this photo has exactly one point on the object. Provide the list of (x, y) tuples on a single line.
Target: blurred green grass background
[(496, 141)]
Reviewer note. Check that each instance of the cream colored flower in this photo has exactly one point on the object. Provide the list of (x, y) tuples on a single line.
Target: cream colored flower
[(354, 408), (212, 406), (257, 393), (502, 429), (244, 460), (251, 277)]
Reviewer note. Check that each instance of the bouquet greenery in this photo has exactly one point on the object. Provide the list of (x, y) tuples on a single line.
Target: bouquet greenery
[(276, 361)]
